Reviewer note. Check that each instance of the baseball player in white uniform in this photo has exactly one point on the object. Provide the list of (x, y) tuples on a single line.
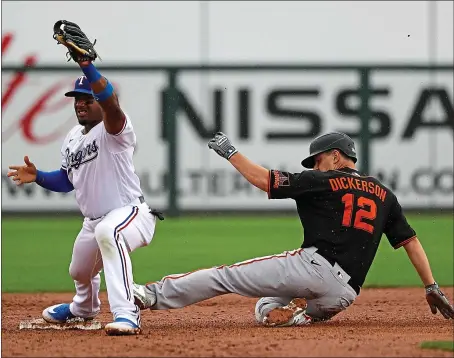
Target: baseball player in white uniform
[(97, 163)]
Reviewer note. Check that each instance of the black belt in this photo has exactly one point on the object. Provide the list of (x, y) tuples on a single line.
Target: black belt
[(352, 283), (152, 211)]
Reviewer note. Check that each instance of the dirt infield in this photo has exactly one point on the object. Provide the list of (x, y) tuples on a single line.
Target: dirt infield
[(382, 322)]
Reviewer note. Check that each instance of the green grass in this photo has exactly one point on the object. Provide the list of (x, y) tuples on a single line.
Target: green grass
[(36, 252), (443, 345)]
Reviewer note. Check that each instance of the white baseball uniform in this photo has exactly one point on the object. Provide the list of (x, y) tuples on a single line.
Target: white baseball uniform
[(117, 220)]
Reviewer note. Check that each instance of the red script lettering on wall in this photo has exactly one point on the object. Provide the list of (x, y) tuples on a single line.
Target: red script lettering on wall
[(41, 105)]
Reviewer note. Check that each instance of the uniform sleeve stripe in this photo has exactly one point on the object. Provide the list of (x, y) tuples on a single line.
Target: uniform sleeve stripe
[(404, 242), (269, 183), (124, 126)]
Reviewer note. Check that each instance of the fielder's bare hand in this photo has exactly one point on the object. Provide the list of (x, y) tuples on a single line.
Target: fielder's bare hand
[(437, 300), (23, 174)]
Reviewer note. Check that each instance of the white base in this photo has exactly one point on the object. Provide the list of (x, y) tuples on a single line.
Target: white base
[(75, 323)]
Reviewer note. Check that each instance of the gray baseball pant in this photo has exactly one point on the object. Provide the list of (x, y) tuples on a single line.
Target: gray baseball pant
[(301, 273)]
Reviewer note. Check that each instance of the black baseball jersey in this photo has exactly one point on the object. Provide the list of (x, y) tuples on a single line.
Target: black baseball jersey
[(344, 215)]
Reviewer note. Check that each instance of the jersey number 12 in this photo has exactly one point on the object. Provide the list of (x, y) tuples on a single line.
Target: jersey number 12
[(361, 214)]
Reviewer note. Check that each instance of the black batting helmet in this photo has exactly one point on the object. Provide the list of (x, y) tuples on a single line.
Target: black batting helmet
[(325, 142)]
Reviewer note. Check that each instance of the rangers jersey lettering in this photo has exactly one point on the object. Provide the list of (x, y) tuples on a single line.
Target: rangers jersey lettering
[(101, 169)]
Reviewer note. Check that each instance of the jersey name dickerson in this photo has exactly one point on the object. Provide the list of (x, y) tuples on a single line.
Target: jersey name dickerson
[(100, 167)]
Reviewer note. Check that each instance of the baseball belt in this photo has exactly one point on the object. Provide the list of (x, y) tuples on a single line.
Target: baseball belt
[(141, 199)]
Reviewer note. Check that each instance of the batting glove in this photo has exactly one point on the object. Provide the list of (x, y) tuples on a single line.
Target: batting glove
[(437, 300), (222, 145)]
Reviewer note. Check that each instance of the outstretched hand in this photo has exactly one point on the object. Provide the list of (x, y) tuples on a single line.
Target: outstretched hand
[(23, 174), (221, 144), (438, 301)]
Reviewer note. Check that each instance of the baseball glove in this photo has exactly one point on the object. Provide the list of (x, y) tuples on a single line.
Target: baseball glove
[(79, 46)]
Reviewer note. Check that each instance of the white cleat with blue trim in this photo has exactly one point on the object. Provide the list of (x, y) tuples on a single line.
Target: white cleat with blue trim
[(122, 327), (61, 314)]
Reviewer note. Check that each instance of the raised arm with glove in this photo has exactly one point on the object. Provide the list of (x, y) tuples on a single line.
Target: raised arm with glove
[(254, 174), (82, 51)]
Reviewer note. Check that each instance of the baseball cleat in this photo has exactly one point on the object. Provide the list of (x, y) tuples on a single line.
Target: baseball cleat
[(122, 327), (59, 314), (143, 297), (294, 314)]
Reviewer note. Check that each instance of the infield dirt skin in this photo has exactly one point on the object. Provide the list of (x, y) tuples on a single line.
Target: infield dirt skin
[(382, 322)]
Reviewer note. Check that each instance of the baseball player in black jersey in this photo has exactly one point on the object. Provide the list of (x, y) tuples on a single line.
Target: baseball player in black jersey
[(344, 215)]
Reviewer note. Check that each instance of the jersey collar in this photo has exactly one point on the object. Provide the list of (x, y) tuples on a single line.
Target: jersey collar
[(349, 171)]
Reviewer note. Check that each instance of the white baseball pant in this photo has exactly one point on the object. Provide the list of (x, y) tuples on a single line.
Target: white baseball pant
[(105, 243)]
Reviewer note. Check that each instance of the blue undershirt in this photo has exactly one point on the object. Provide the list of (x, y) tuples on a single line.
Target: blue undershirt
[(57, 181)]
